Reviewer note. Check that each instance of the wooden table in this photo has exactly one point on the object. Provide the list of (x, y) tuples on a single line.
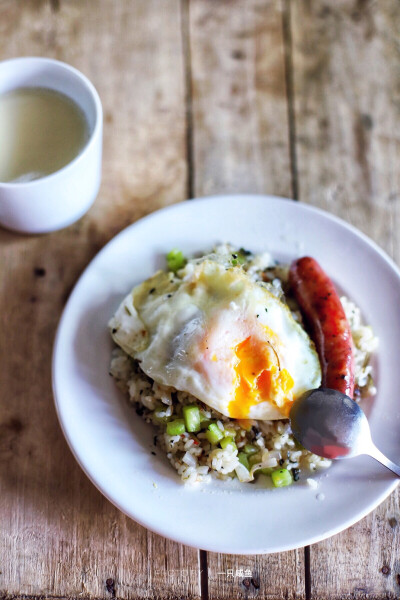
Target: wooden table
[(297, 98)]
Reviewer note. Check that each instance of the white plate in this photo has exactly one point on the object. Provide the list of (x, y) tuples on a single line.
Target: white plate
[(113, 445)]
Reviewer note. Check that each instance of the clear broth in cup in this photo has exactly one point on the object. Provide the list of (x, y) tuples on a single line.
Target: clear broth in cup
[(41, 131)]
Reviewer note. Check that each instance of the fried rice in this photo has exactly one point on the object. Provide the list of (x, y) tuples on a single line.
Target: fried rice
[(191, 454)]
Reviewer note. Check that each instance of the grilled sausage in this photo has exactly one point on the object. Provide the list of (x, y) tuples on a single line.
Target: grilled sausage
[(326, 322)]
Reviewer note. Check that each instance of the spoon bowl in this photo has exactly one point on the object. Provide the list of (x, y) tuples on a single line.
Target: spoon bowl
[(330, 424)]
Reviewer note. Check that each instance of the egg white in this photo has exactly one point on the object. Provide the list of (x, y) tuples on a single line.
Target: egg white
[(189, 334)]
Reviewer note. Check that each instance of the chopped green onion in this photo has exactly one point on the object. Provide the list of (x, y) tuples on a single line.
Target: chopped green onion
[(191, 414), (266, 470), (204, 421), (243, 460), (238, 258), (228, 441), (157, 413), (254, 458), (203, 417), (175, 260), (229, 432), (214, 434), (250, 449), (281, 477), (158, 418), (176, 427)]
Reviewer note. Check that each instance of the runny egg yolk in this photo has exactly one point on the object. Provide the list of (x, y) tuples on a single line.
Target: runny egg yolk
[(258, 378)]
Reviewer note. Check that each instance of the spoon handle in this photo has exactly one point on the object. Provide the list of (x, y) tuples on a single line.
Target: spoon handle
[(377, 454)]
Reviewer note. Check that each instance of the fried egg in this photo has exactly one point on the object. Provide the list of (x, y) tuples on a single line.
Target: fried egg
[(220, 336)]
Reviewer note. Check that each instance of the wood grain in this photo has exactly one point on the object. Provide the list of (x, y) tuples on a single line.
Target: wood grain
[(279, 575), (202, 113), (58, 535), (240, 125), (241, 144), (346, 66)]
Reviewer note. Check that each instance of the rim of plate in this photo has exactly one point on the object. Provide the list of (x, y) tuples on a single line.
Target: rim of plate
[(166, 532)]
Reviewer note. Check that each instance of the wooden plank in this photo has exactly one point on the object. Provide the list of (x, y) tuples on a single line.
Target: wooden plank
[(241, 144), (58, 535), (279, 575), (240, 140), (346, 64)]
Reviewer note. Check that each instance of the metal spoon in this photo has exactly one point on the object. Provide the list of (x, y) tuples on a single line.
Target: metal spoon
[(332, 425)]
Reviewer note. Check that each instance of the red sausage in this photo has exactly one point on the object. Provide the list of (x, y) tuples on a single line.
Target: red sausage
[(327, 324)]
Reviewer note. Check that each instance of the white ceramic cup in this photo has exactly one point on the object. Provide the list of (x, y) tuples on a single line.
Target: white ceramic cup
[(58, 199)]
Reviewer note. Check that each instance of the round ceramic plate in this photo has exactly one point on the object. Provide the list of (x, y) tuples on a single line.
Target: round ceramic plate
[(114, 446)]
